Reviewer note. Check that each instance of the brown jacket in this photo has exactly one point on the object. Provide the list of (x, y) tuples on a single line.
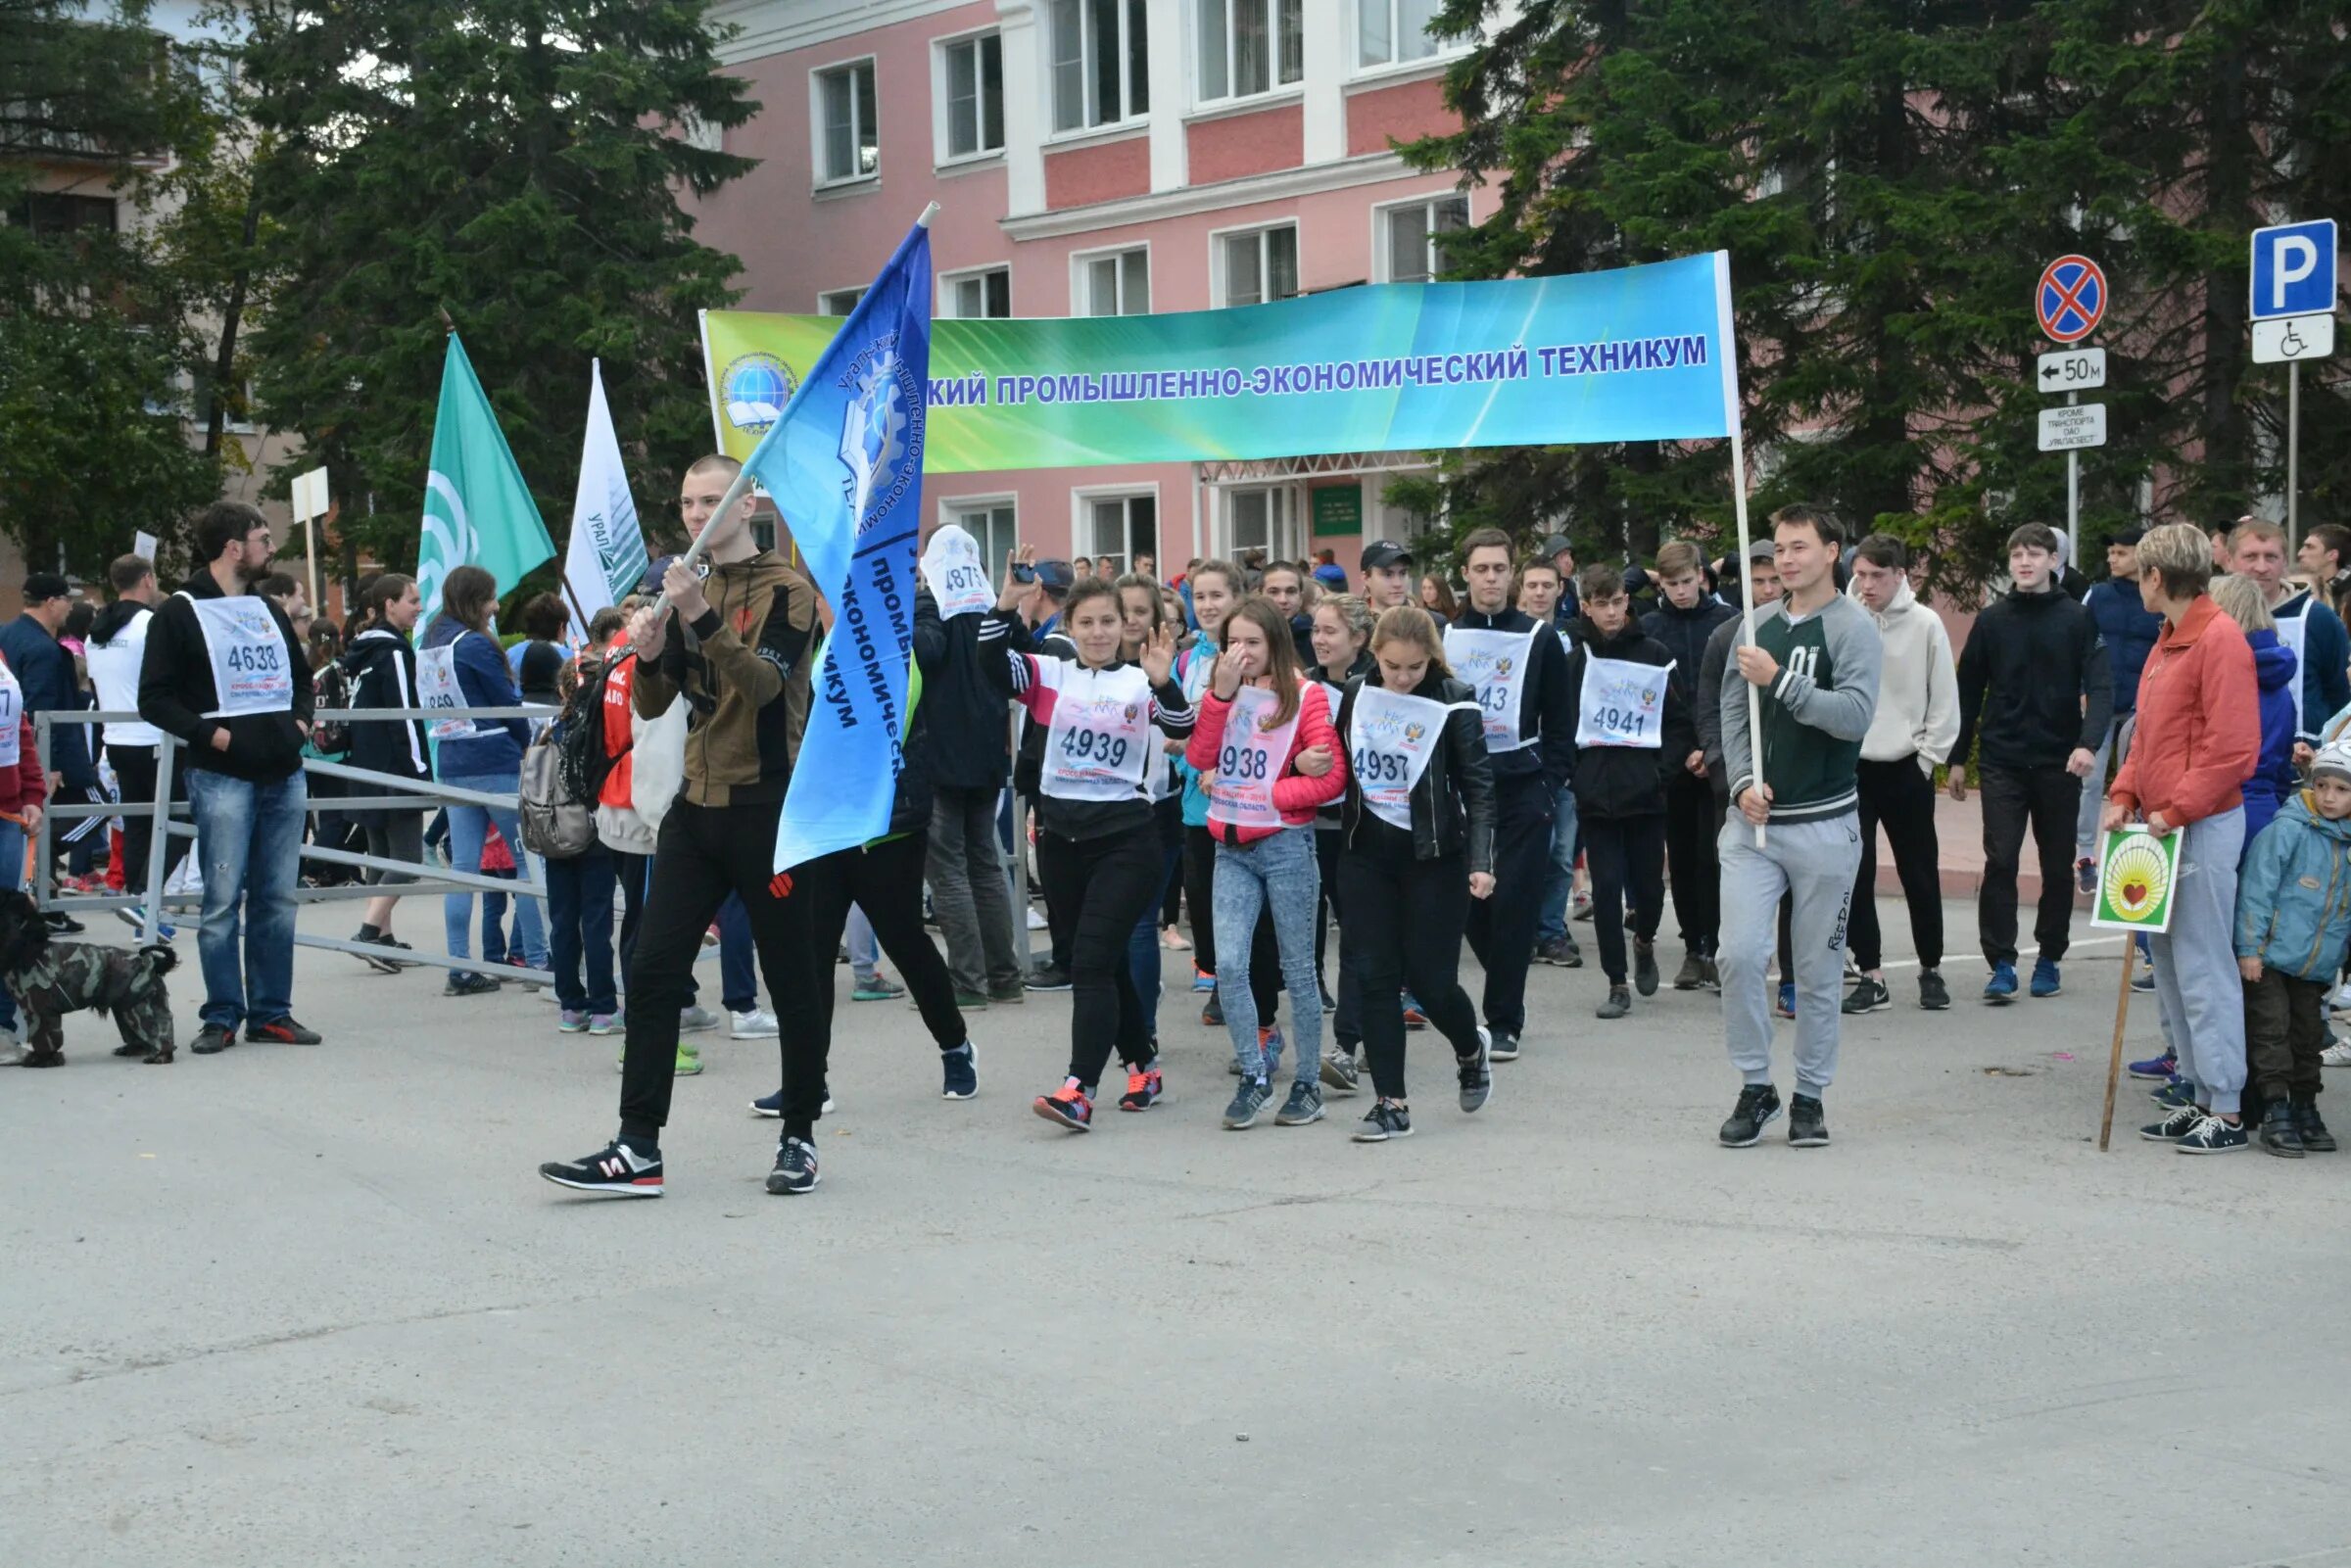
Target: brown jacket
[(744, 670)]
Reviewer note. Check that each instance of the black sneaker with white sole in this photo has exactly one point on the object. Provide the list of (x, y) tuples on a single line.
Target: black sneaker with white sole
[(795, 1167), (1247, 1100), (2172, 1128), (615, 1171), (1500, 1045), (2213, 1136), (1933, 995), (1866, 996), (1304, 1106), (1386, 1121), (1476, 1075), (1807, 1123), (1759, 1108)]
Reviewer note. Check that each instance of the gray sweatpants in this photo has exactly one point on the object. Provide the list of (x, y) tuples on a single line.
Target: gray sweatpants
[(2197, 988), (1815, 861)]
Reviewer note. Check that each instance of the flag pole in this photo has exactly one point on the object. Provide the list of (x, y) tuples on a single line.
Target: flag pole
[(1735, 417), (722, 521)]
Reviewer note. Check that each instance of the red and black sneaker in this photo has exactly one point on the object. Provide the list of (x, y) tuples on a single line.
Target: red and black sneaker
[(282, 1032), (1144, 1088), (1069, 1106), (616, 1170)]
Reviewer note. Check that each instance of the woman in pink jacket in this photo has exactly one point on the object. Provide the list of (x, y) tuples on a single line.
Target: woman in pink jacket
[(1269, 757)]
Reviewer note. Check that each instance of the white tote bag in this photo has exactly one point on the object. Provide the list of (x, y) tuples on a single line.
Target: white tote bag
[(658, 771)]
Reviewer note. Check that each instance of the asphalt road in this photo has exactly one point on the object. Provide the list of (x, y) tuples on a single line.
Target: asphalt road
[(313, 1305)]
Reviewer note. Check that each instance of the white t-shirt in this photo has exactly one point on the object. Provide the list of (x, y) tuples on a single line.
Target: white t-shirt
[(115, 672)]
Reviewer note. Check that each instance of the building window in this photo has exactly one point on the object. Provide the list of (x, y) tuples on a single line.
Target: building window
[(974, 95), (1114, 283), (1121, 526), (1260, 265), (840, 302), (1260, 520), (1101, 66), (848, 144), (1412, 251), (992, 523), (1250, 46), (984, 295), (1390, 32)]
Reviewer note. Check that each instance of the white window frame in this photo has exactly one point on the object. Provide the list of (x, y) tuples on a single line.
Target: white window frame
[(946, 291), (1395, 65), (1275, 82), (1220, 287), (1285, 526), (1081, 516), (1090, 120), (848, 298), (1383, 268), (816, 123), (942, 152), (956, 509), (1081, 266)]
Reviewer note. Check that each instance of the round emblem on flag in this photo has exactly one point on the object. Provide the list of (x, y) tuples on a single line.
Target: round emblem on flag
[(756, 388)]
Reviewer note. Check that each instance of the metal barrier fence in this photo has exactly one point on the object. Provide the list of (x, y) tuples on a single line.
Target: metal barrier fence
[(173, 823)]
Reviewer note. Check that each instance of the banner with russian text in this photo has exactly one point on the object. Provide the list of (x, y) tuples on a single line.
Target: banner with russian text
[(1641, 354)]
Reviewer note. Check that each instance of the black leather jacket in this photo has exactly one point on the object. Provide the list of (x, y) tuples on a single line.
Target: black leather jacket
[(1452, 804)]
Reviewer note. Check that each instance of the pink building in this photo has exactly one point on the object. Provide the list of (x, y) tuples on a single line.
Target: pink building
[(1101, 157)]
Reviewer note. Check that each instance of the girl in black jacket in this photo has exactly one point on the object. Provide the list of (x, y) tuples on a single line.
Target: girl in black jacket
[(1342, 647), (381, 663), (1419, 845)]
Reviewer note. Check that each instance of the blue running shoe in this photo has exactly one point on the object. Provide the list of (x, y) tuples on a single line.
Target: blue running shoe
[(2044, 977), (2157, 1069), (2000, 990), (1786, 1003), (2175, 1095), (1202, 980), (961, 1069)]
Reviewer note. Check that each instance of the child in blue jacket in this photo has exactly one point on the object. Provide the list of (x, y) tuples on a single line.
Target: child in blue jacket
[(2294, 920)]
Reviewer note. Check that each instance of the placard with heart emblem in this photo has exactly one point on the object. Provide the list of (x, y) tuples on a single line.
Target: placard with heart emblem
[(2136, 874)]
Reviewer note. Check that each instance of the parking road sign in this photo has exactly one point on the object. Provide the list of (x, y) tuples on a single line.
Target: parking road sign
[(2293, 269), (2070, 300), (2291, 339), (2073, 427)]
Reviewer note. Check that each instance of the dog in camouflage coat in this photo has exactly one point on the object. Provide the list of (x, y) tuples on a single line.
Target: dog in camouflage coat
[(49, 979)]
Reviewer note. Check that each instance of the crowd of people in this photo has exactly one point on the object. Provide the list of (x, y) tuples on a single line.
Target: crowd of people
[(1263, 755)]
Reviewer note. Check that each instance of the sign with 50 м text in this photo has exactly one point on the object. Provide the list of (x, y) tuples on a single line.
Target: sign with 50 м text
[(1643, 353)]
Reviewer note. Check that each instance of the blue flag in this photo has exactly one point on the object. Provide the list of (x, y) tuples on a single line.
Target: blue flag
[(845, 464)]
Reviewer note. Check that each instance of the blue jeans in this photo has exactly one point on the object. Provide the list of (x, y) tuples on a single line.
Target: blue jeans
[(579, 911), (249, 842), (1279, 871), (1551, 920), (465, 835), (12, 877)]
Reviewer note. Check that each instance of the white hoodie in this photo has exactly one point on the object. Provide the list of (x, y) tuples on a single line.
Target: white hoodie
[(1918, 690)]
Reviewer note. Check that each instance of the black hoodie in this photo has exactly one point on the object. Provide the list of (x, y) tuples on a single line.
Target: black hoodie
[(176, 693), (382, 667), (1626, 780), (2035, 683)]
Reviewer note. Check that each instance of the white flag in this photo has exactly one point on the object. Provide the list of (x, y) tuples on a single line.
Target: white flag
[(606, 558)]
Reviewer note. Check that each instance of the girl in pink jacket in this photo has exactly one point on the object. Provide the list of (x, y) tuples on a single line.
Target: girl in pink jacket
[(1267, 757)]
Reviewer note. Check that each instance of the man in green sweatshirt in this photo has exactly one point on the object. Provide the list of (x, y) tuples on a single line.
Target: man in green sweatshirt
[(1813, 668)]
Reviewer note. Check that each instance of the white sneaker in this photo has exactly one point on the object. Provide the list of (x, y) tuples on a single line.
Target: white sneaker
[(2337, 1055), (1037, 919), (695, 1019), (2341, 1000), (756, 1023)]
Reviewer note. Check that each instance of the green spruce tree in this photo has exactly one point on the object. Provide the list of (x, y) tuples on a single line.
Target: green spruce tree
[(511, 168)]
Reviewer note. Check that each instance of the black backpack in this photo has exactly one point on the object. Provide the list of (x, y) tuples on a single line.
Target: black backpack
[(334, 693), (581, 761)]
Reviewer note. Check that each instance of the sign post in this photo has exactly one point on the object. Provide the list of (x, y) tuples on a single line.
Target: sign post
[(2292, 311), (2070, 301), (311, 504)]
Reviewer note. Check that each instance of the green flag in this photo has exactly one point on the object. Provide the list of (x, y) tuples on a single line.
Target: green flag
[(477, 511)]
